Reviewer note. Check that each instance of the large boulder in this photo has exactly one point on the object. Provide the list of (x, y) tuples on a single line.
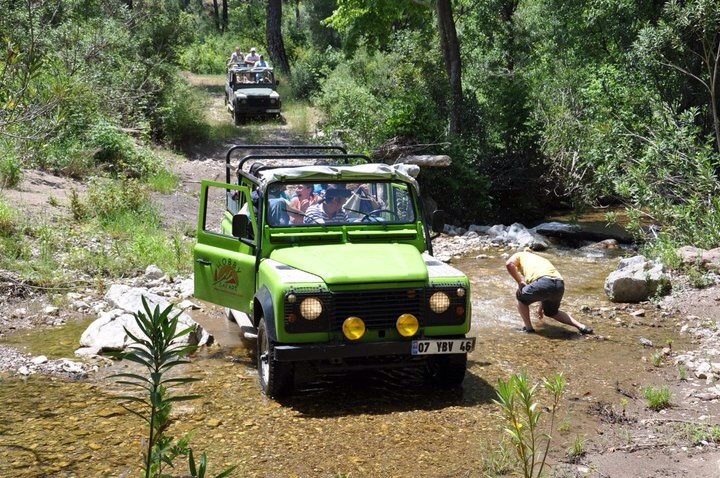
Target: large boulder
[(523, 237), (635, 280), (107, 333), (586, 231)]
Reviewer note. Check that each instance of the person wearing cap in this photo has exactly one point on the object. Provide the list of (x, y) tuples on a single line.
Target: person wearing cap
[(330, 209), (539, 281), (252, 57)]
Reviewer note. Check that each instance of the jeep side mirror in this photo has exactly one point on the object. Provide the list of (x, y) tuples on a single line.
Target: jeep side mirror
[(438, 221), (240, 225)]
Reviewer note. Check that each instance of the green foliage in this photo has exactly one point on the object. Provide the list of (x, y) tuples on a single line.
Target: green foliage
[(468, 200), (521, 413), (8, 219), (163, 181), (656, 359), (181, 116), (108, 199), (657, 398), (500, 461), (311, 68), (157, 349), (210, 54), (702, 434), (10, 173), (577, 449), (119, 154)]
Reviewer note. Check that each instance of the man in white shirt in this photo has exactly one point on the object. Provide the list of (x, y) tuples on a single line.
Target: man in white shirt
[(252, 57)]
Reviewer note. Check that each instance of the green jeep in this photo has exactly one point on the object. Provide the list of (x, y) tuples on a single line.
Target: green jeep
[(346, 280)]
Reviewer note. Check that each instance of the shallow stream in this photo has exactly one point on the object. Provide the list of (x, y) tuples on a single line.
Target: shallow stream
[(384, 424)]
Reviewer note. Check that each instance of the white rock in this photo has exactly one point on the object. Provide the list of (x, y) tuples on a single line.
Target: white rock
[(51, 310), (153, 272), (40, 359)]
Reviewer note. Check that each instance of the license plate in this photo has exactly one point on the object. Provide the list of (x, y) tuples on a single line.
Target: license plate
[(443, 346)]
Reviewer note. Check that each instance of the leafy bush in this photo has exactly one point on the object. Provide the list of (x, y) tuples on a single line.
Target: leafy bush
[(657, 398), (119, 154), (208, 55), (467, 201), (182, 116), (109, 200), (10, 172), (8, 218), (516, 398), (310, 69)]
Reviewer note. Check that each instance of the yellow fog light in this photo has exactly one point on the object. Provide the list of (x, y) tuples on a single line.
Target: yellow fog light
[(311, 308), (353, 328), (439, 302), (407, 325)]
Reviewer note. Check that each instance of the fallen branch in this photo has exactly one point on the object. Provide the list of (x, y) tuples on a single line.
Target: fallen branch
[(426, 160)]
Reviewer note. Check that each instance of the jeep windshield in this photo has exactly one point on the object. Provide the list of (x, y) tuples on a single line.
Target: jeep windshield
[(242, 77), (334, 203)]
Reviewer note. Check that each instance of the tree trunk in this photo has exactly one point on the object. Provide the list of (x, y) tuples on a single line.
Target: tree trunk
[(224, 21), (451, 53), (273, 35), (216, 14)]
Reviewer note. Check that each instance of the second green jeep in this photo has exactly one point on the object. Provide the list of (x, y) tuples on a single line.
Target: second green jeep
[(343, 280)]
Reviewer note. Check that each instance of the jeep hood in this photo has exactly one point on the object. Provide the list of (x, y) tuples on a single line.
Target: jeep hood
[(256, 91), (356, 263)]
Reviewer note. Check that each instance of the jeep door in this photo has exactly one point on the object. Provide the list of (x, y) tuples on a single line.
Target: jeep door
[(224, 264)]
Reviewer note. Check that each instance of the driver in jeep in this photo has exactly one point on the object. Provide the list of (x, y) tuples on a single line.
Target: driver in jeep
[(330, 210)]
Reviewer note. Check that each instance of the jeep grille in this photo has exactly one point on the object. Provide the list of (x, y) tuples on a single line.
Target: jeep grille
[(379, 309)]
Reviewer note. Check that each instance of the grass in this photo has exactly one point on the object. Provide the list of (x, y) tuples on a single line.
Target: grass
[(657, 398), (701, 434), (113, 231), (163, 181), (500, 461), (656, 359), (8, 219), (577, 449)]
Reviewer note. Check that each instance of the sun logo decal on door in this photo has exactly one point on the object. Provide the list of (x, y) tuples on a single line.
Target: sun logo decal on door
[(225, 277)]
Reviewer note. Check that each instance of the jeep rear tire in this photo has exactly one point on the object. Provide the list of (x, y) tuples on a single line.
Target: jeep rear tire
[(276, 378), (446, 370), (236, 115)]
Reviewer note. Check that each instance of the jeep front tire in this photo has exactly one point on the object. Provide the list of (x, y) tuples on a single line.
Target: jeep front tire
[(276, 378)]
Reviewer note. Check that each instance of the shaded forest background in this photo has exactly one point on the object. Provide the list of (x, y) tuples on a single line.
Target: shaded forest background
[(542, 104)]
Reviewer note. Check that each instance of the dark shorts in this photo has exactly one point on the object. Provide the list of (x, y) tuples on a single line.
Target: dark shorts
[(547, 290)]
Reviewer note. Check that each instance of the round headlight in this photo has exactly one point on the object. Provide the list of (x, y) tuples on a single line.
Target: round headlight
[(439, 302), (407, 325), (311, 308), (273, 101), (461, 292), (353, 328)]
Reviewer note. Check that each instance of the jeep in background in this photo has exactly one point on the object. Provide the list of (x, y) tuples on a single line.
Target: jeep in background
[(352, 292), (250, 92)]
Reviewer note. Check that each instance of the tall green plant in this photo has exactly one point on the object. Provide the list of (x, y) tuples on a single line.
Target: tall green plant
[(158, 351), (517, 402)]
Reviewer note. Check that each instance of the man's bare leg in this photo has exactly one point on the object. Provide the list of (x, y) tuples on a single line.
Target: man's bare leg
[(568, 319), (525, 315)]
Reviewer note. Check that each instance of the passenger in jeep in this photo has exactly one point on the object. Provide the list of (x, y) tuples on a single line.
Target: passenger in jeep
[(303, 199), (330, 210)]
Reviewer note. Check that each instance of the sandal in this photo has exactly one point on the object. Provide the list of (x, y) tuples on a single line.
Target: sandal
[(586, 330), (528, 330)]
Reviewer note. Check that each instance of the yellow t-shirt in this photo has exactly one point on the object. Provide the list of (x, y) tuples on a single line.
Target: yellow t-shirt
[(532, 267)]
